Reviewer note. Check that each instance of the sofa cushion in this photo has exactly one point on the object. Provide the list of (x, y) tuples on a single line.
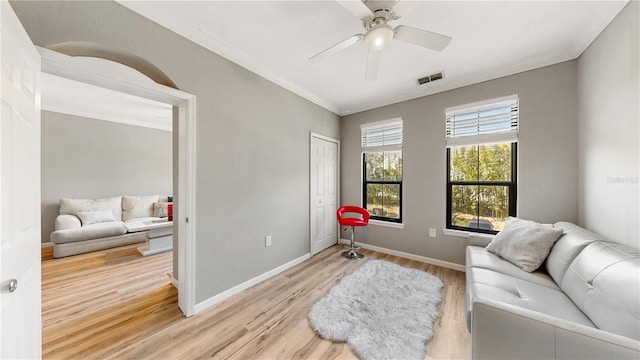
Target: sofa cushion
[(93, 231), (604, 282), (73, 206), (565, 250), (505, 288), (480, 257), (524, 243), (95, 217), (137, 206)]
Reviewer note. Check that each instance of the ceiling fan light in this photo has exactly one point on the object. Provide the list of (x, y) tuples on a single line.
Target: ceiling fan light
[(379, 37)]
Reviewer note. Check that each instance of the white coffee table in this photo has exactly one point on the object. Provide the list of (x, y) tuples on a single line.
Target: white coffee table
[(159, 232)]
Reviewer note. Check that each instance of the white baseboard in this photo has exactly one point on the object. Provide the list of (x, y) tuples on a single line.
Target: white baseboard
[(247, 284), (47, 244), (174, 281), (424, 259)]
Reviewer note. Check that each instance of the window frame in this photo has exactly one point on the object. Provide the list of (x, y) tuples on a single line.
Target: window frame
[(366, 182), (512, 186), (380, 137)]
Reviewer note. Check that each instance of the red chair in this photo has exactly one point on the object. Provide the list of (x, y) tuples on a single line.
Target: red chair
[(361, 220)]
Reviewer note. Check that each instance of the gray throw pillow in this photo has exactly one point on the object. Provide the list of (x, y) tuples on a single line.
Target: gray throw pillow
[(161, 209), (524, 243)]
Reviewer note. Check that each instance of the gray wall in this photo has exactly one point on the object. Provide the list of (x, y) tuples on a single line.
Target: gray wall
[(547, 158), (88, 158), (609, 113), (252, 139)]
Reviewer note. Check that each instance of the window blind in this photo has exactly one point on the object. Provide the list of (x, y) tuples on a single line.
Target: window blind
[(483, 123), (382, 136)]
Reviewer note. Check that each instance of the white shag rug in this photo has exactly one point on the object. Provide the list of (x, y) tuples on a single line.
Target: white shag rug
[(383, 310)]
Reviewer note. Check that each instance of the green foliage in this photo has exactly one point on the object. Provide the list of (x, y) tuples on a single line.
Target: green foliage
[(384, 166), (383, 199), (482, 163)]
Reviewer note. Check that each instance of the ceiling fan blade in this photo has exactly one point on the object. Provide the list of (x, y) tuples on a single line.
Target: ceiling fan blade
[(337, 47), (356, 7), (373, 59), (402, 8), (424, 38)]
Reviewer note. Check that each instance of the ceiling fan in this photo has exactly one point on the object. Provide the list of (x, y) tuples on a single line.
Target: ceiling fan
[(375, 16)]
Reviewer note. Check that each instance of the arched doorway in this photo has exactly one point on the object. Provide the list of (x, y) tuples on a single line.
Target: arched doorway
[(64, 62), (87, 49)]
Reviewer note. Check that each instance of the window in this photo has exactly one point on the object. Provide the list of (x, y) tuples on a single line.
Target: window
[(382, 170), (481, 164)]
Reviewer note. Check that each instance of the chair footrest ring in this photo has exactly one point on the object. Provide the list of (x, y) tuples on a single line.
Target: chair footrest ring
[(352, 255)]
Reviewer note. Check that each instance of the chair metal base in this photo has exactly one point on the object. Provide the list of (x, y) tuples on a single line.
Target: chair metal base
[(352, 255)]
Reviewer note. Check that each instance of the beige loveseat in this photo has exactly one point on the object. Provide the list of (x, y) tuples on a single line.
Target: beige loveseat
[(582, 303), (86, 225)]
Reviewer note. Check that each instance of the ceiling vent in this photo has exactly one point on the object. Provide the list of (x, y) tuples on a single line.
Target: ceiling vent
[(430, 78)]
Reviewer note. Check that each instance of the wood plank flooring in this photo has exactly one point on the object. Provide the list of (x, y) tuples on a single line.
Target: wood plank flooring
[(116, 304)]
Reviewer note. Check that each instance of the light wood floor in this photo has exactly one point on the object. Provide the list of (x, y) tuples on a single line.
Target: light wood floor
[(115, 304)]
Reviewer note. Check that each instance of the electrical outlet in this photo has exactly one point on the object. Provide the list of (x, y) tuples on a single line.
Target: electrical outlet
[(432, 232), (267, 240)]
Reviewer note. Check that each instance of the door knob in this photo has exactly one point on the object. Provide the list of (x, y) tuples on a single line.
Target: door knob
[(13, 285)]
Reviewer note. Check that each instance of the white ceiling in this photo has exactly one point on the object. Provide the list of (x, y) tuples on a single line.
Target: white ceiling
[(491, 39)]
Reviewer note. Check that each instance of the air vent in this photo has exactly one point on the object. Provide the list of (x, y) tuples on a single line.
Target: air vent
[(430, 78)]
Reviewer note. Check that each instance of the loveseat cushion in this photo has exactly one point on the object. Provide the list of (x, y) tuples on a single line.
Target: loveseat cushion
[(88, 232), (73, 206), (565, 250), (525, 294), (480, 257), (137, 206), (604, 282)]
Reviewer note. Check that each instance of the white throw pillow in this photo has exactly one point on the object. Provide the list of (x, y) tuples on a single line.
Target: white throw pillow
[(161, 209), (524, 243), (94, 217)]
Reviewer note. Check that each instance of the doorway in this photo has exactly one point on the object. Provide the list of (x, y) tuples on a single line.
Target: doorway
[(184, 119), (324, 168)]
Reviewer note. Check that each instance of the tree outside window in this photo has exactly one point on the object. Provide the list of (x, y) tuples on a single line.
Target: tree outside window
[(481, 186), (383, 184)]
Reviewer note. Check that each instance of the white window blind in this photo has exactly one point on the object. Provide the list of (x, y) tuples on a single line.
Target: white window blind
[(483, 123), (383, 136)]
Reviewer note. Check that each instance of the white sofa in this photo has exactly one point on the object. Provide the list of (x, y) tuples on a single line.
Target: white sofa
[(86, 225), (582, 303)]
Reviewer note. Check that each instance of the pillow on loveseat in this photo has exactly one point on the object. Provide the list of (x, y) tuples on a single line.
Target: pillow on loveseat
[(94, 217), (161, 209), (524, 243)]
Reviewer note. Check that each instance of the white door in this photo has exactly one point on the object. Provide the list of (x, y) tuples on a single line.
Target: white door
[(20, 322), (324, 192)]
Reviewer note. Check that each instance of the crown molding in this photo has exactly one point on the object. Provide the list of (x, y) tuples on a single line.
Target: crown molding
[(154, 12)]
